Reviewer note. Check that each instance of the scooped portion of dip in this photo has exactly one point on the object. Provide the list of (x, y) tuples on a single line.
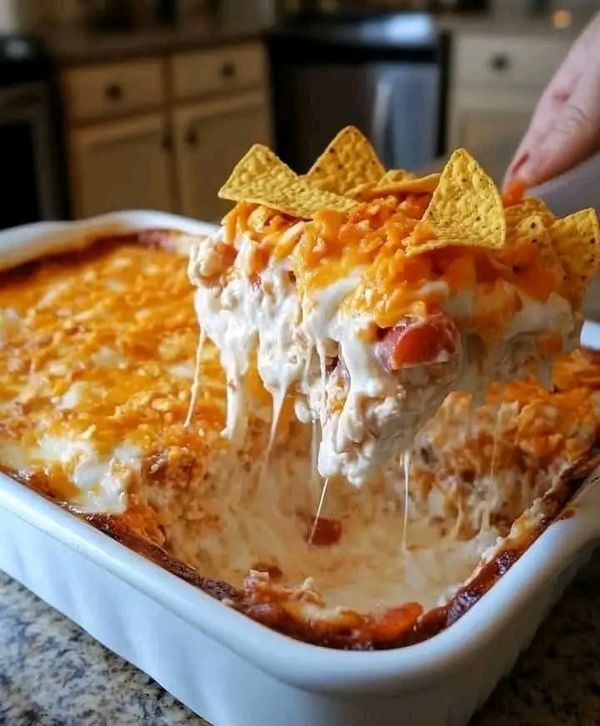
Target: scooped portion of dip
[(367, 297)]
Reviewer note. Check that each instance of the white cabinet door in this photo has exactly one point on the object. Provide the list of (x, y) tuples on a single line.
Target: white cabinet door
[(490, 126), (121, 165), (210, 138)]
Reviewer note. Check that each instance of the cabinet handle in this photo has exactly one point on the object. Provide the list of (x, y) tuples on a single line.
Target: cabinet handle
[(500, 62), (228, 70), (167, 142), (114, 92), (191, 138)]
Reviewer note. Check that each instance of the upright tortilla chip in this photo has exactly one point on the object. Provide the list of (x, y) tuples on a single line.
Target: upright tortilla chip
[(530, 205), (576, 239), (533, 231), (347, 162), (262, 178), (465, 209)]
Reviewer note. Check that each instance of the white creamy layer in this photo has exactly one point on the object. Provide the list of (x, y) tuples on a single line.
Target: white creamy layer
[(299, 345), (102, 481), (241, 320)]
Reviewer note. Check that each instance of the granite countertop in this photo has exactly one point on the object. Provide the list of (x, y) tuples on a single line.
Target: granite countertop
[(54, 674)]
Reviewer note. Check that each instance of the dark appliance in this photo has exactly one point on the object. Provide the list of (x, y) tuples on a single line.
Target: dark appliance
[(33, 187), (369, 6), (385, 74)]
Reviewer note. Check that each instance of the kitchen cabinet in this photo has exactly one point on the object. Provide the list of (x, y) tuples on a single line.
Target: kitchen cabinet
[(496, 83), (217, 71), (490, 126), (209, 140), (163, 133), (113, 89), (122, 165)]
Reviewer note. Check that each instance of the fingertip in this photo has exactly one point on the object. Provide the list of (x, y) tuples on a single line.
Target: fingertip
[(529, 171), (515, 170)]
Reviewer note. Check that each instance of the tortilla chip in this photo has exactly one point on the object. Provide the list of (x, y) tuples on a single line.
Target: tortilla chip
[(518, 212), (260, 177), (358, 191), (465, 209), (348, 161), (576, 239), (411, 185), (533, 231), (404, 183), (528, 231), (395, 175)]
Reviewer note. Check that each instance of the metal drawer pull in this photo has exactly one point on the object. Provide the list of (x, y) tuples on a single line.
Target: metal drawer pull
[(114, 92), (167, 142), (228, 70), (500, 62)]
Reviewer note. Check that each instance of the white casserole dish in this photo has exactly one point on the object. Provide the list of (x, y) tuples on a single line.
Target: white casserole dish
[(228, 668)]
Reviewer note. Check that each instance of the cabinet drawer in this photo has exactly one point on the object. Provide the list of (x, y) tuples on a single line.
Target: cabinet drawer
[(219, 70), (507, 61), (113, 89)]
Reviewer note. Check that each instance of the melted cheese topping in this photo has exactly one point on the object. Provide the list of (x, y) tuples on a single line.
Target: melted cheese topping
[(97, 354), (372, 238), (311, 299)]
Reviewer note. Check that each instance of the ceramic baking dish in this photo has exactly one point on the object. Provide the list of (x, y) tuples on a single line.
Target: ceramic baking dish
[(234, 671)]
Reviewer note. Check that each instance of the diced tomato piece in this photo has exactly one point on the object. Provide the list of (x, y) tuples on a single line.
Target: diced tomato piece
[(413, 341), (326, 531)]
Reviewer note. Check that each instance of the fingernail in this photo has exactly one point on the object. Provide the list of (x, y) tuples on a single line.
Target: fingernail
[(523, 158), (527, 172)]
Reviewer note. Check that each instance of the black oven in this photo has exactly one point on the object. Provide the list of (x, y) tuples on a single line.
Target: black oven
[(33, 188)]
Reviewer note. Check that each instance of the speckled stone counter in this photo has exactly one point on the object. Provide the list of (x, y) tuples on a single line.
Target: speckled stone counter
[(53, 674)]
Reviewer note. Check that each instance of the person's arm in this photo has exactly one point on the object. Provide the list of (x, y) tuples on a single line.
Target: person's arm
[(565, 126)]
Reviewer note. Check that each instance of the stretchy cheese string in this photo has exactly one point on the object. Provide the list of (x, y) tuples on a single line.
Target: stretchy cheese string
[(485, 518), (497, 430), (406, 456), (196, 383), (319, 510), (315, 441), (278, 397)]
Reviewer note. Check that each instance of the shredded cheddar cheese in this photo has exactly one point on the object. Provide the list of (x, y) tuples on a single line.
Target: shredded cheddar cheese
[(100, 349), (374, 236)]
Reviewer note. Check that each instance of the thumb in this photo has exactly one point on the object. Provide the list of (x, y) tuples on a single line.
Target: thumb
[(572, 137)]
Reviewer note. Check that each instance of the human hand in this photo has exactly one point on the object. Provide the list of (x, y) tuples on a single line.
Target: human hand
[(565, 126)]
